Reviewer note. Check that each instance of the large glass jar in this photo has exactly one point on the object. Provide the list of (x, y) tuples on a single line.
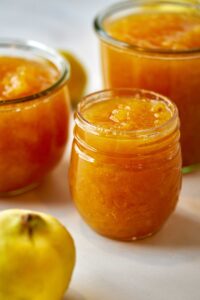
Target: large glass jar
[(34, 123), (125, 183), (155, 45)]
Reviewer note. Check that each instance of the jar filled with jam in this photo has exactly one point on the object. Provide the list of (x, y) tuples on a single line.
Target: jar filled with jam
[(155, 45), (34, 113), (125, 171)]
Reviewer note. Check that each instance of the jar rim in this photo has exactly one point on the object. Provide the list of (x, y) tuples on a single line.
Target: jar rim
[(103, 95), (43, 51), (106, 13)]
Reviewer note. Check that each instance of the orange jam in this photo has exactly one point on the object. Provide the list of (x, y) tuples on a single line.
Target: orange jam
[(34, 120), (128, 114), (174, 31), (125, 171), (23, 77), (156, 46)]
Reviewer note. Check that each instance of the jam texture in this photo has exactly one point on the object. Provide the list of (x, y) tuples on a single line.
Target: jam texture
[(172, 69), (33, 133), (125, 177)]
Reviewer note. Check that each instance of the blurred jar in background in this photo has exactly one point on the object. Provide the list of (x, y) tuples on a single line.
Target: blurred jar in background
[(34, 113), (155, 45)]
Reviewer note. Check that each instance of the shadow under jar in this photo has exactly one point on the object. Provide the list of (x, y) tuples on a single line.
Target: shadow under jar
[(34, 113), (155, 45), (125, 171)]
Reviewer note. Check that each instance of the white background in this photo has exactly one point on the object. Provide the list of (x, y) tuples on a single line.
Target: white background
[(164, 267)]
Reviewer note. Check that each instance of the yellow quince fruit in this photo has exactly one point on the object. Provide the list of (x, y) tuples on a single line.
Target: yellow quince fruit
[(37, 256)]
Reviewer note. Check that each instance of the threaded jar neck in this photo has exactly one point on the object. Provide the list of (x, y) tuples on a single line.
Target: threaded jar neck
[(95, 138)]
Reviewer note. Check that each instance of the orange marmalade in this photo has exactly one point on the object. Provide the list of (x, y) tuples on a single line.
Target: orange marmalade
[(23, 77), (156, 46), (125, 171), (34, 115)]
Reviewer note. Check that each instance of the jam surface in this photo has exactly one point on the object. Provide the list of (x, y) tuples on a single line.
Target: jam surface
[(174, 31), (128, 114), (22, 77)]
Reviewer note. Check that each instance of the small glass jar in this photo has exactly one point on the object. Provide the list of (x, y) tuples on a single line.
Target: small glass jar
[(34, 128), (173, 73), (125, 184)]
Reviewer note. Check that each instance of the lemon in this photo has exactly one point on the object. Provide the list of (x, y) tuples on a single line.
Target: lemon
[(78, 77)]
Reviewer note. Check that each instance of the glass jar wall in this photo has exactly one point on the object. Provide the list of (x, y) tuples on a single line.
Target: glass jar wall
[(125, 176), (34, 113), (155, 45)]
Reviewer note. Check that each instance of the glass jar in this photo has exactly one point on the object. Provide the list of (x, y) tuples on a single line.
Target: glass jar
[(174, 73), (33, 128), (125, 184)]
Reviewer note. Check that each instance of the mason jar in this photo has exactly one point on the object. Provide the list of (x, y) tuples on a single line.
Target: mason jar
[(125, 183)]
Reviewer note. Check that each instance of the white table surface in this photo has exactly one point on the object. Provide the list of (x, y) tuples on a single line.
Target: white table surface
[(164, 267)]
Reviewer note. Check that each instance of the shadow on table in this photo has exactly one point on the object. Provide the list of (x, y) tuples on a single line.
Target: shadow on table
[(72, 295), (177, 242), (54, 189), (180, 231)]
